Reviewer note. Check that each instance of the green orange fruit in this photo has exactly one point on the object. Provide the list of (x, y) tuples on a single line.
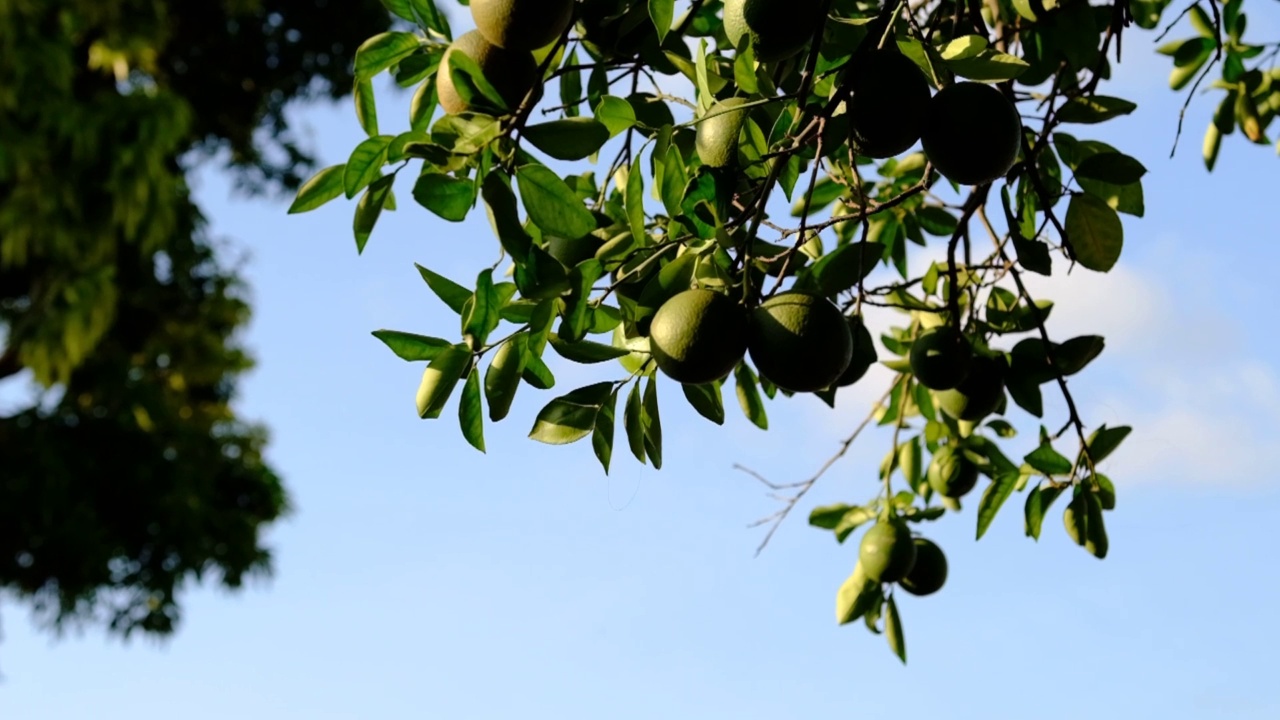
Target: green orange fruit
[(950, 473), (698, 336), (717, 138), (940, 358), (864, 352), (888, 103), (778, 28), (800, 342), (513, 73), (929, 573), (979, 394), (521, 24), (887, 552), (972, 133)]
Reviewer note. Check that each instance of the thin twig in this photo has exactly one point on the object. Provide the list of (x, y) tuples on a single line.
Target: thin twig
[(807, 485)]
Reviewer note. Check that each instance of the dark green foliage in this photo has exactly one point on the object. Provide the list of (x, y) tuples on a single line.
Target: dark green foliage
[(134, 476)]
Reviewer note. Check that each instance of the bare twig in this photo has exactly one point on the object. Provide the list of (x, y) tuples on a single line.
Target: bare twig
[(805, 486)]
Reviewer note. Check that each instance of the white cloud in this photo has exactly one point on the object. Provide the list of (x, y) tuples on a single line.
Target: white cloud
[(1212, 425), (1174, 370)]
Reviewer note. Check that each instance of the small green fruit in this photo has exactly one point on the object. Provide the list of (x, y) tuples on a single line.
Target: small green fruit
[(888, 103), (800, 342), (778, 28), (950, 473), (940, 358), (972, 133), (864, 352), (513, 73), (521, 24), (979, 394), (698, 336), (717, 139), (887, 553), (929, 573)]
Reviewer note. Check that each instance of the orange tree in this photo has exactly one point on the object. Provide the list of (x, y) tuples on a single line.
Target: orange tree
[(676, 262)]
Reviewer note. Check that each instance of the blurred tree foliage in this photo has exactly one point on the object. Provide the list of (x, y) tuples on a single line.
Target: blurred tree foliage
[(130, 473)]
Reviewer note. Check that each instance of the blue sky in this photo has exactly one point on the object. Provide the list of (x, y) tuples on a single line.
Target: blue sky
[(419, 578)]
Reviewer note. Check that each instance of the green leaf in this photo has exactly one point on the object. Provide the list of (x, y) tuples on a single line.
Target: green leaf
[(1038, 502), (964, 47), (439, 379), (586, 351), (423, 105), (415, 68), (662, 12), (471, 84), (484, 311), (551, 204), (465, 134), (369, 209), (749, 396), (570, 417), (365, 164), (1095, 232), (1104, 441), (471, 411), (504, 215), (744, 73), (571, 85), (1106, 491), (652, 423), (1114, 168), (635, 199), (401, 8), (429, 16), (577, 316), (994, 496), (1083, 522), (937, 221), (615, 113), (893, 631), (382, 51), (852, 520), (536, 372), (856, 595), (707, 400), (1094, 109), (1048, 461), (453, 294), (412, 347), (1201, 22), (701, 78), (1002, 428), (634, 424), (1073, 355), (1188, 58), (828, 517), (1212, 143), (602, 434), (320, 189), (445, 195), (674, 179), (502, 379), (843, 268), (366, 107), (989, 66), (571, 138)]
